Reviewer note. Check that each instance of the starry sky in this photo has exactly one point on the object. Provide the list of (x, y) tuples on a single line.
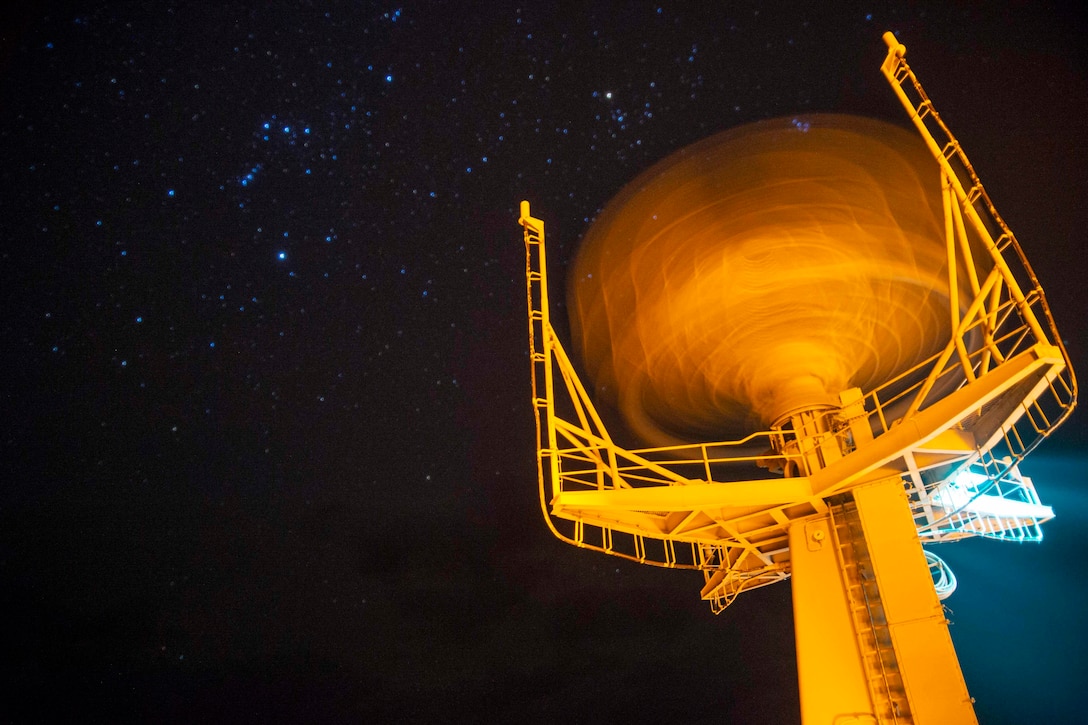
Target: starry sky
[(267, 442)]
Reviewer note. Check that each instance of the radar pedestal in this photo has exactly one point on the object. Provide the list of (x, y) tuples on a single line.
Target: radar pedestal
[(872, 640)]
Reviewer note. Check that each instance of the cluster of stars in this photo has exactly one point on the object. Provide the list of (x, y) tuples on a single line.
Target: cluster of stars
[(293, 153)]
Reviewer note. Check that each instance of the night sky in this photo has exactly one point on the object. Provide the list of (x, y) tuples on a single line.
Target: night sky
[(268, 447)]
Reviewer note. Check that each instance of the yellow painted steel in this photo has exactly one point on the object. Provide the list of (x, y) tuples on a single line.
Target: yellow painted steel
[(915, 619), (830, 670), (872, 638), (840, 495)]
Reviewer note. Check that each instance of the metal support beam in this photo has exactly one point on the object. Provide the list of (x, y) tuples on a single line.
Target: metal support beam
[(872, 639)]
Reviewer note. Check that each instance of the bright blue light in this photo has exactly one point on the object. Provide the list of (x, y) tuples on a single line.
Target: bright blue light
[(170, 192), (1004, 506), (211, 344), (139, 319), (389, 78), (282, 255)]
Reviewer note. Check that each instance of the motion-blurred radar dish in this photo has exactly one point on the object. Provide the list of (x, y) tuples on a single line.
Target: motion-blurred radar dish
[(834, 351), (762, 271)]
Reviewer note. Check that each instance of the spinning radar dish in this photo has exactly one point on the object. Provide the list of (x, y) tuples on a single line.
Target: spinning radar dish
[(762, 271)]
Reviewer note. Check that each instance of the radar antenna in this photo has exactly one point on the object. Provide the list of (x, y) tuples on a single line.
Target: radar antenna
[(837, 488)]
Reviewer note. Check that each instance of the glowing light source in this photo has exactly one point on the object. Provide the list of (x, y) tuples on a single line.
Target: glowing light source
[(1001, 507)]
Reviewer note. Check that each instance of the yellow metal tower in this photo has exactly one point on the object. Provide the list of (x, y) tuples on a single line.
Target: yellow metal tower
[(846, 489)]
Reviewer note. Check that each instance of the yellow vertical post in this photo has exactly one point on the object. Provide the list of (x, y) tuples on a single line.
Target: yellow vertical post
[(829, 669), (872, 640)]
